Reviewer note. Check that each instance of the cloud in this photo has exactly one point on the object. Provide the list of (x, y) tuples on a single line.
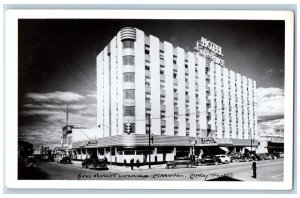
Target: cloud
[(57, 97), (92, 95), (268, 70), (55, 106), (270, 107), (41, 119), (39, 112)]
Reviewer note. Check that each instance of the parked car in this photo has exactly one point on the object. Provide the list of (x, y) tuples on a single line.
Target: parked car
[(180, 161), (281, 154), (65, 160), (265, 156), (238, 157), (94, 163), (48, 158), (211, 159), (277, 155), (258, 157), (30, 162), (86, 163), (224, 158)]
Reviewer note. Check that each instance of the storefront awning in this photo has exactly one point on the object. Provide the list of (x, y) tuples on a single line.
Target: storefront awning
[(249, 148), (274, 147), (224, 149)]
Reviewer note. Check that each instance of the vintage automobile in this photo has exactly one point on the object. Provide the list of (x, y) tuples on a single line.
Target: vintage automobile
[(30, 162), (238, 157), (180, 161), (265, 156), (211, 160), (276, 155), (94, 163), (66, 160), (225, 159)]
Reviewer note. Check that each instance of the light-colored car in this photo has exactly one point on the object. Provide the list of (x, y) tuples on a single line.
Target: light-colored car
[(224, 158)]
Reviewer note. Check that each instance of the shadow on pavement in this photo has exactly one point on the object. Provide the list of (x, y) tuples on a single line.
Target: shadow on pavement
[(31, 174), (224, 178)]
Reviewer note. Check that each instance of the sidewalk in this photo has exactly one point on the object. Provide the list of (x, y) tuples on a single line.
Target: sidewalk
[(125, 168)]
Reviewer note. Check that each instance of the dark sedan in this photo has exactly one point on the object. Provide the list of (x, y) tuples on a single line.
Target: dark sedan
[(211, 159), (65, 160), (94, 163), (180, 161)]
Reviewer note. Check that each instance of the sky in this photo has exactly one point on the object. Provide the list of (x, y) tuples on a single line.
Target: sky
[(57, 66)]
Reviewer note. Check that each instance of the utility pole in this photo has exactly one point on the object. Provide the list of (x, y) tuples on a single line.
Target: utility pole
[(67, 116), (149, 151), (251, 138)]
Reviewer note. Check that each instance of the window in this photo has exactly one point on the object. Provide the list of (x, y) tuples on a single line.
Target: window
[(128, 44), (129, 110), (128, 94), (128, 60), (128, 77), (147, 51)]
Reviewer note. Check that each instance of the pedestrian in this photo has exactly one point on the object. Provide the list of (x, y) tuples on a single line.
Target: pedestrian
[(131, 163), (138, 164), (254, 169), (105, 160)]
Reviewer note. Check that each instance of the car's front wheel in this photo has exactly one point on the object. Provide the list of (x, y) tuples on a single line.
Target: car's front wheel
[(226, 162), (216, 163), (189, 165)]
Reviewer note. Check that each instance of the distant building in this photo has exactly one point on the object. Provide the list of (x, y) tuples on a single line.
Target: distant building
[(25, 149), (269, 142), (185, 95)]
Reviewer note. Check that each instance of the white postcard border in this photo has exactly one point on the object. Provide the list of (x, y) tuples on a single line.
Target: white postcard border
[(11, 96)]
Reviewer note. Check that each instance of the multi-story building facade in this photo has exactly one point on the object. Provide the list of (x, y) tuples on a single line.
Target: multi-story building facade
[(147, 85)]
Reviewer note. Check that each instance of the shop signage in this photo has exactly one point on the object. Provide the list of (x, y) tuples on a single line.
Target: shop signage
[(208, 140), (210, 50), (91, 143)]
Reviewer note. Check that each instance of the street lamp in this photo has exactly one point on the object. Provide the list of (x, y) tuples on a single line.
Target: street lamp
[(193, 142)]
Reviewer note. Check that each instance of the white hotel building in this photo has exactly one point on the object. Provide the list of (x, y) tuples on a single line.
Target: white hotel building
[(184, 93)]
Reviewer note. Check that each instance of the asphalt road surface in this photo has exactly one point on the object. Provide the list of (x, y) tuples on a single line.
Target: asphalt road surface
[(268, 170)]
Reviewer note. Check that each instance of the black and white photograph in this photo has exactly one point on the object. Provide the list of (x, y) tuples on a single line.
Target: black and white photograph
[(153, 99)]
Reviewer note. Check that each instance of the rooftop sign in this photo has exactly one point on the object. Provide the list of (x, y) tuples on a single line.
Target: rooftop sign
[(210, 50)]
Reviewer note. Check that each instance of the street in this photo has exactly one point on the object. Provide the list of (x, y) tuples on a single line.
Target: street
[(267, 170)]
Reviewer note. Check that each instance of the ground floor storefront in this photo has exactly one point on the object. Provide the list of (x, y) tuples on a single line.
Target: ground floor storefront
[(121, 149), (158, 154)]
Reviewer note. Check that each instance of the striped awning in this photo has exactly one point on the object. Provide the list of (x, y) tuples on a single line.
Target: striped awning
[(140, 140), (133, 140)]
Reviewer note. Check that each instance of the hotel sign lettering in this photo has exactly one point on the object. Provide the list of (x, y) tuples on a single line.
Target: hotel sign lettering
[(210, 50), (208, 140)]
